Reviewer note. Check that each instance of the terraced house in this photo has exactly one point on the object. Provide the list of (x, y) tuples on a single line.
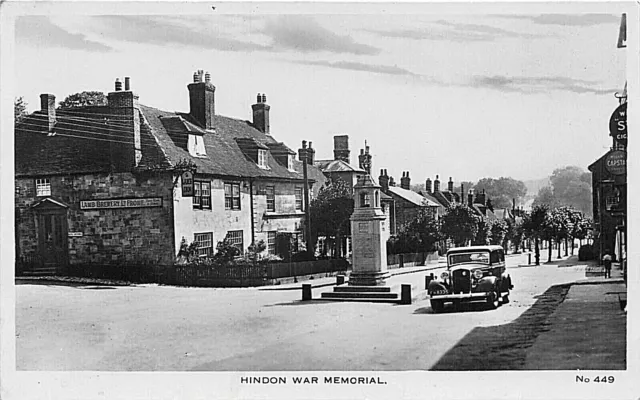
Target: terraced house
[(126, 183)]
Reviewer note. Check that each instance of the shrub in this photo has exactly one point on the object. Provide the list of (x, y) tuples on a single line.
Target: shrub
[(586, 252)]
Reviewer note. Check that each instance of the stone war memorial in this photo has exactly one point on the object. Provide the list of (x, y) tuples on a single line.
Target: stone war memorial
[(367, 281)]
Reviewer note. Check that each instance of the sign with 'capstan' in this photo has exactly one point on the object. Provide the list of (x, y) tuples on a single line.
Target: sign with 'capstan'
[(618, 125), (616, 162), (121, 203)]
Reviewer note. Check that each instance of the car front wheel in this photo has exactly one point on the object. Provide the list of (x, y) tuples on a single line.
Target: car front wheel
[(437, 305), (493, 300)]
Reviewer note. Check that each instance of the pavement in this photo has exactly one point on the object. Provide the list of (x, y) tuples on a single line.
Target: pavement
[(587, 330)]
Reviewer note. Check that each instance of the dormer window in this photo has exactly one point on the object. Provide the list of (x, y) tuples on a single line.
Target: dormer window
[(196, 146), (262, 159), (290, 162)]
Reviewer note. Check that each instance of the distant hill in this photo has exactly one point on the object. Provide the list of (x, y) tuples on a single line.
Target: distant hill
[(534, 185)]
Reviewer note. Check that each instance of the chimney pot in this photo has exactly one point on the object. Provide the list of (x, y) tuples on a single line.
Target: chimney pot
[(118, 85), (195, 77), (207, 77), (264, 98)]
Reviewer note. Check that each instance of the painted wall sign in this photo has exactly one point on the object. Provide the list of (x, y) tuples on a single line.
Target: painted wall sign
[(187, 184), (618, 125), (75, 234), (121, 203), (616, 162)]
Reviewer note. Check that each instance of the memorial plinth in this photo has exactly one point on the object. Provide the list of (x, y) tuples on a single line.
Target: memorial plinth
[(369, 246)]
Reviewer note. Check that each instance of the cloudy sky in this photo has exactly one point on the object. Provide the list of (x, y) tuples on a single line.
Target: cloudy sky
[(467, 96)]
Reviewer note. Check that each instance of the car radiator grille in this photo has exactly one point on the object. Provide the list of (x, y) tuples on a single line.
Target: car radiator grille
[(461, 281)]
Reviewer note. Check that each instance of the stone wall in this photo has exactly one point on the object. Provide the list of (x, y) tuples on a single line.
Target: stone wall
[(112, 236)]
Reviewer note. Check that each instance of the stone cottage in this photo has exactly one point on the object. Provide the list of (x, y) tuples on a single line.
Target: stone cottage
[(125, 183)]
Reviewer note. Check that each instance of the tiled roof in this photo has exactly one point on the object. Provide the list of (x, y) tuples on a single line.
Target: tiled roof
[(412, 197), (328, 166), (83, 140), (81, 144)]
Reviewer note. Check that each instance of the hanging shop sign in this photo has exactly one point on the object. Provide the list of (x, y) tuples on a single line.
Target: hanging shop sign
[(618, 125), (616, 162), (187, 184), (121, 203)]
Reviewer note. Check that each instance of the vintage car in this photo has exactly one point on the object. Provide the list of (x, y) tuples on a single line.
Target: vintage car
[(474, 274)]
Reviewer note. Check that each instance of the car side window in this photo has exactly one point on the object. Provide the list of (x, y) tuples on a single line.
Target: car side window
[(501, 256), (495, 257)]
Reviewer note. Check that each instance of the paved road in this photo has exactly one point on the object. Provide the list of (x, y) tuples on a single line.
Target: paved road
[(167, 328)]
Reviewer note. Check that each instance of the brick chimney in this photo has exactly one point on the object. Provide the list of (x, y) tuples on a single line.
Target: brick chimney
[(202, 99), (311, 154), (405, 181), (364, 159), (450, 185), (261, 114), (392, 182), (436, 184), (125, 111), (341, 148), (48, 109), (481, 198), (427, 185), (383, 180), (470, 198)]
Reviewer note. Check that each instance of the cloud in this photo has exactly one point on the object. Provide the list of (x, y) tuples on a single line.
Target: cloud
[(39, 31), (304, 34), (455, 32), (162, 31), (538, 84), (356, 66), (568, 19)]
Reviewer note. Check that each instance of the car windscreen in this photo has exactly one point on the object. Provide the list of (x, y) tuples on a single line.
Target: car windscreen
[(471, 257)]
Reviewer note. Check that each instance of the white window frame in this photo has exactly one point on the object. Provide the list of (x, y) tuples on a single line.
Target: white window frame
[(196, 147), (204, 243), (236, 238), (270, 192), (230, 197), (271, 242), (290, 162), (262, 159), (43, 187), (299, 201)]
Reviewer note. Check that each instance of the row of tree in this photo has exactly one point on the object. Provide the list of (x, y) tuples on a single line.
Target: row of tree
[(464, 227)]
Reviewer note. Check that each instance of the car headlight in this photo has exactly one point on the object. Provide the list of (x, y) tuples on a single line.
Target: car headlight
[(444, 275), (477, 274)]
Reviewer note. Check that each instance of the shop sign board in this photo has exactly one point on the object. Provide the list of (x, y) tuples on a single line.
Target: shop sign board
[(121, 203), (616, 162), (618, 125), (187, 184)]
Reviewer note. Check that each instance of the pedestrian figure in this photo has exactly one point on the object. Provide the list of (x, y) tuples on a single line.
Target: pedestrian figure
[(607, 264)]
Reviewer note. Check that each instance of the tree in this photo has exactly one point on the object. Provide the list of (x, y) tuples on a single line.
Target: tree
[(498, 230), (84, 99), (545, 197), (425, 228), (572, 187), (460, 224), (483, 236), (515, 233), (533, 225), (502, 191), (19, 109), (330, 212)]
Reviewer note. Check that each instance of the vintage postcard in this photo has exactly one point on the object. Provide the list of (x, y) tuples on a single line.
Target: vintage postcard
[(314, 200)]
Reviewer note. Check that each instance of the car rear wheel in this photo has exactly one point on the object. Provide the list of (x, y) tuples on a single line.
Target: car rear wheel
[(437, 305)]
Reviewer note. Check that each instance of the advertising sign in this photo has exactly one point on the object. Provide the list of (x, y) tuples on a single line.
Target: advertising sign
[(618, 125), (616, 162), (121, 203), (187, 184)]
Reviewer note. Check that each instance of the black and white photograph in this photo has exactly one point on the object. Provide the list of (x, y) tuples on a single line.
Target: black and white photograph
[(316, 201)]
